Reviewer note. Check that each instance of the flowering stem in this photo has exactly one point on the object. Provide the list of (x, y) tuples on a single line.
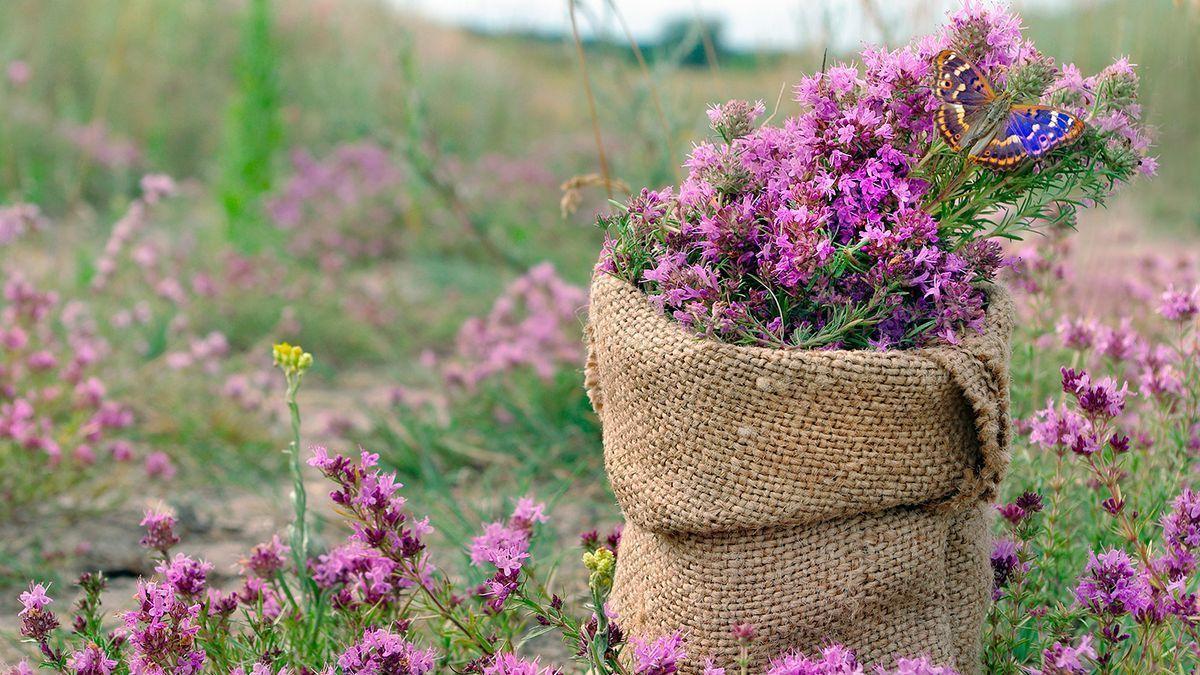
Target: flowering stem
[(294, 362), (599, 643), (299, 530), (414, 573)]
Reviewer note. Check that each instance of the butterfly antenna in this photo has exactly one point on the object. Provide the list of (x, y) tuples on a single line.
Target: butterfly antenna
[(824, 59)]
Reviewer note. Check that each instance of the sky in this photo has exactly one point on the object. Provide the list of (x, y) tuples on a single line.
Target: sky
[(749, 24)]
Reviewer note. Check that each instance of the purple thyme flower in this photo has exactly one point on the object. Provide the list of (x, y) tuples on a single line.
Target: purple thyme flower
[(36, 621), (1005, 563), (360, 574), (502, 545), (158, 465), (1120, 343), (267, 558), (986, 34), (162, 631), (1058, 428), (1181, 527), (1100, 398), (1111, 585), (187, 576), (660, 656), (263, 600), (91, 660), (506, 546), (221, 604), (527, 512), (743, 631), (919, 666), (259, 669), (1179, 305), (834, 660), (497, 589), (507, 663), (1064, 659), (380, 651), (1181, 535), (1078, 334), (533, 325), (160, 531), (1027, 504), (34, 600), (1030, 502), (735, 118)]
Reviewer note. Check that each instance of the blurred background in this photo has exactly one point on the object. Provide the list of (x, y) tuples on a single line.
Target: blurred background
[(408, 189)]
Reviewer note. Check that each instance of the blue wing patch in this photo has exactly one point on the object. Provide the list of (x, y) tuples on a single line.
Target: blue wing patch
[(1042, 128)]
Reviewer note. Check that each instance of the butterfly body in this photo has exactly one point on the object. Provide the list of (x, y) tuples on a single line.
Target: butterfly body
[(973, 118)]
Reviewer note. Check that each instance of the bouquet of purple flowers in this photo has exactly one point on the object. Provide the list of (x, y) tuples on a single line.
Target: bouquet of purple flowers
[(872, 219)]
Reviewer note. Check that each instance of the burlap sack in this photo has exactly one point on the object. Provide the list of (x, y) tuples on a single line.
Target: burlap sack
[(823, 496)]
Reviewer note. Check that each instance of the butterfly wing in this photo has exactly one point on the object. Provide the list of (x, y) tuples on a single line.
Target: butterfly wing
[(965, 94), (951, 122), (1032, 131), (1043, 128), (959, 81), (1004, 152)]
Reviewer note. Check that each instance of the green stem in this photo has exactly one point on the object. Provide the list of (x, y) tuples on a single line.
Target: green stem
[(447, 614), (299, 530)]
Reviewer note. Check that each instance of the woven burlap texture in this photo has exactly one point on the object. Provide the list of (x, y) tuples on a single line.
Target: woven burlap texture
[(820, 495)]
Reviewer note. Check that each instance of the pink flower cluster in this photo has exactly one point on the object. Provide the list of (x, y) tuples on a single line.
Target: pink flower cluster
[(1078, 427), (96, 141), (162, 631), (381, 651), (664, 655), (386, 552), (155, 187), (510, 664), (505, 546), (55, 411), (837, 660), (534, 324), (660, 656), (344, 207), (17, 220)]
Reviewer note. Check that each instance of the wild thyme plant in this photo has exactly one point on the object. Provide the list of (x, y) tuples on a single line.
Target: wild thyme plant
[(853, 225)]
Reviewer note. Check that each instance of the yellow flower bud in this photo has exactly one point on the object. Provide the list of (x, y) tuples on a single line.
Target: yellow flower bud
[(602, 564), (292, 359)]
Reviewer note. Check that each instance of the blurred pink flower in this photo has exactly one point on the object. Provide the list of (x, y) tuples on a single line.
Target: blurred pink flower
[(19, 73), (158, 465)]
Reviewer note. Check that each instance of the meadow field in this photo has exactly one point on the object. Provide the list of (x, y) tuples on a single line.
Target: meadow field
[(185, 184)]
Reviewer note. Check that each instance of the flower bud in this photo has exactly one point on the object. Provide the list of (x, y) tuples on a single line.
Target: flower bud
[(292, 359), (602, 564)]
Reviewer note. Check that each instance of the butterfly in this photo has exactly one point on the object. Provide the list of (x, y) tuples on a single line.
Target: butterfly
[(993, 131)]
